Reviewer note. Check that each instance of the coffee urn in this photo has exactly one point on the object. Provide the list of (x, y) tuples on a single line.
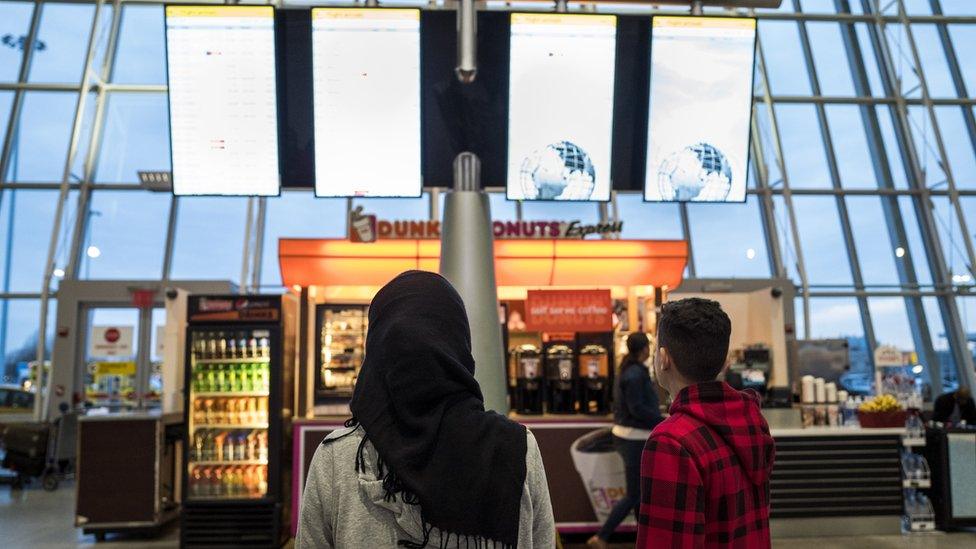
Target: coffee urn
[(560, 380), (528, 396), (594, 379)]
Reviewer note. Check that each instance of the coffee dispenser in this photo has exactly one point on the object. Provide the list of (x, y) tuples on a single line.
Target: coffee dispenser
[(594, 379), (528, 395), (560, 380)]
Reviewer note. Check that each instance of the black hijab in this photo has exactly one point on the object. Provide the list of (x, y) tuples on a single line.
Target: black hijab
[(420, 406)]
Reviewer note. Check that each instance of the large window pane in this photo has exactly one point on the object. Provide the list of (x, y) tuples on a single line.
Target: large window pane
[(14, 24), (851, 147), (958, 7), (963, 37), (840, 317), (830, 58), (209, 241), (128, 228), (953, 245), (915, 243), (6, 102), (784, 233), (940, 341), (19, 323), (874, 249), (892, 149), (141, 58), (298, 214), (822, 240), (64, 34), (136, 137), (869, 60), (43, 134), (891, 322), (806, 161), (928, 152), (24, 237), (815, 6), (727, 240), (647, 220), (933, 58), (959, 146), (784, 57)]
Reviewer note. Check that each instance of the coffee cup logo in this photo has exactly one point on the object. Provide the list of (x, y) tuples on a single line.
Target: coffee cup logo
[(362, 227)]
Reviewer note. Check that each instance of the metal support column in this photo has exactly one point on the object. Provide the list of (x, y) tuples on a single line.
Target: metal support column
[(787, 192), (686, 234), (958, 340), (62, 199), (905, 265), (842, 213)]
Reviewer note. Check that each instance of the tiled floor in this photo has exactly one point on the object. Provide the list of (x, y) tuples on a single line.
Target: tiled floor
[(33, 518)]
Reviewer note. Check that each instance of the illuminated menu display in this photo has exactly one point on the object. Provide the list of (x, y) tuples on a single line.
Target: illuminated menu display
[(700, 108), (561, 106), (222, 100), (366, 78)]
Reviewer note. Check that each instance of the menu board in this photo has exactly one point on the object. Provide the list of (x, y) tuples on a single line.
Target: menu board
[(700, 108), (222, 100), (560, 111), (366, 80)]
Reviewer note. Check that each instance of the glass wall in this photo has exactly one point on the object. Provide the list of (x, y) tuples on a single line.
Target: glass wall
[(863, 176)]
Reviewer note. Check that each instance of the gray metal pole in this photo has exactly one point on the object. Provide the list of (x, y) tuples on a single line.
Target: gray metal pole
[(52, 249), (468, 261), (467, 41)]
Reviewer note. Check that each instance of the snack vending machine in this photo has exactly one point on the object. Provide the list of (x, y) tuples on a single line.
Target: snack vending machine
[(341, 347), (239, 395)]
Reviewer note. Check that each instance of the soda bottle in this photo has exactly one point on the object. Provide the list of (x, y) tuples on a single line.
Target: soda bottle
[(249, 484), (240, 448), (211, 345), (262, 415), (229, 481), (252, 344), (262, 446), (264, 377), (262, 479), (231, 377), (231, 348), (221, 345), (246, 376), (221, 383), (196, 483), (264, 347)]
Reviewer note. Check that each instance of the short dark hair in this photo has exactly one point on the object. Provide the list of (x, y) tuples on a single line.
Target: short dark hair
[(695, 332), (637, 342)]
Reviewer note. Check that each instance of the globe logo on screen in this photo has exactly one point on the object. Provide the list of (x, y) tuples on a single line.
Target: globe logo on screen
[(696, 172), (560, 171)]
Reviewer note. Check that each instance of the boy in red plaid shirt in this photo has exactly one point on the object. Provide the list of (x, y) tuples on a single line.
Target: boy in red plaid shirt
[(705, 470)]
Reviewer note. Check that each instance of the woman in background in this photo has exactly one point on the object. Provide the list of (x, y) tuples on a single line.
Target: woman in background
[(421, 463), (635, 414)]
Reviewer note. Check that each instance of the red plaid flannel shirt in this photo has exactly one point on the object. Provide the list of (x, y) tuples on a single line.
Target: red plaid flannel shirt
[(705, 473)]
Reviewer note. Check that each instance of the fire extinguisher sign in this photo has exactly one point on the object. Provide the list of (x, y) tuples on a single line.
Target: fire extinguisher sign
[(109, 341)]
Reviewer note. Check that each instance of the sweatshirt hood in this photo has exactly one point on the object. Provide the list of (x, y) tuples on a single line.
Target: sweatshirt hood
[(736, 417)]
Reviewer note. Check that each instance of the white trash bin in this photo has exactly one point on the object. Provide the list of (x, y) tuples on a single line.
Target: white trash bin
[(602, 471)]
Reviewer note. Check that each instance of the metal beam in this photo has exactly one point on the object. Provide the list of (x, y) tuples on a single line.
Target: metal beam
[(766, 207), (904, 265), (845, 221)]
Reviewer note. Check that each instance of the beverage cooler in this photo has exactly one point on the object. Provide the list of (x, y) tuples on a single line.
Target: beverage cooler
[(239, 396), (341, 346)]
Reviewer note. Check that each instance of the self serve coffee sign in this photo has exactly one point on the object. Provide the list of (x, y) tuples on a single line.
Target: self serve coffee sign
[(107, 341), (568, 311)]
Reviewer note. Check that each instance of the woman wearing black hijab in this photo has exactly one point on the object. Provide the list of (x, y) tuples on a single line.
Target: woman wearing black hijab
[(422, 463)]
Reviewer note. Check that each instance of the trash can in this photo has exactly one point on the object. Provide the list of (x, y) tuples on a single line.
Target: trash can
[(602, 471)]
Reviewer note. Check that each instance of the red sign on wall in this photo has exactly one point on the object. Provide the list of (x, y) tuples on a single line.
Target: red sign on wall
[(568, 311)]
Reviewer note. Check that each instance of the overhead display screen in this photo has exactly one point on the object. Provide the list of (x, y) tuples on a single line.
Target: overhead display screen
[(222, 100), (560, 111), (366, 79), (700, 108)]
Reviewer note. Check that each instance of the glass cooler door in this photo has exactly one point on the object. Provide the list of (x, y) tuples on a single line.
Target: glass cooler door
[(229, 387)]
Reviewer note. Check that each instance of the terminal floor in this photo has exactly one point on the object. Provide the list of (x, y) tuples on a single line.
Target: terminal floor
[(33, 518)]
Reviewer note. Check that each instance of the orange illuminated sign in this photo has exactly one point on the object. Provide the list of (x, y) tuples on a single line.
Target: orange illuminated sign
[(568, 311)]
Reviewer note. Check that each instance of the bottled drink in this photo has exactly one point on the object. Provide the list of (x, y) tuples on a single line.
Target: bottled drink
[(197, 453), (262, 440), (247, 377), (264, 347), (199, 378), (252, 344), (262, 480), (242, 345), (232, 377), (209, 452), (231, 348), (240, 447), (262, 406), (264, 377), (220, 383), (221, 345), (211, 345), (196, 483)]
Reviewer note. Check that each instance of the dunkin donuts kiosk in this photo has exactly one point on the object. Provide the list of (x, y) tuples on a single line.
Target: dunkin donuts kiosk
[(560, 373)]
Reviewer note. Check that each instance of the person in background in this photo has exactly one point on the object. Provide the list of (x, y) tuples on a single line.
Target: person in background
[(705, 470), (955, 407), (636, 412), (422, 463)]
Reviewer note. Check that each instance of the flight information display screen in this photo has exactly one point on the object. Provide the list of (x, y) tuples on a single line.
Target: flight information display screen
[(366, 80), (700, 108), (560, 112), (222, 100)]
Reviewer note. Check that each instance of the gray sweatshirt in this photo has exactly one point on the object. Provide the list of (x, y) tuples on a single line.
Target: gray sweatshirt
[(344, 509)]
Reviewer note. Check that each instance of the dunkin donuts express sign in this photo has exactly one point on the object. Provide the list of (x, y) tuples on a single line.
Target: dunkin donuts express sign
[(367, 228)]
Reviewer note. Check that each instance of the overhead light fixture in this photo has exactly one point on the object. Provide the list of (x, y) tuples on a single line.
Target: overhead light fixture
[(918, 369), (93, 252), (961, 279), (158, 181), (899, 252), (751, 253), (58, 272)]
